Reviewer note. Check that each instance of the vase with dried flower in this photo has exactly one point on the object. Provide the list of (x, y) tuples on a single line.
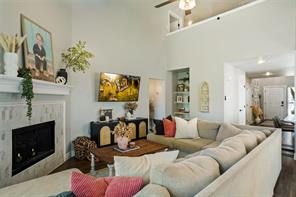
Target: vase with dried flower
[(130, 107), (257, 113), (122, 133), (11, 45)]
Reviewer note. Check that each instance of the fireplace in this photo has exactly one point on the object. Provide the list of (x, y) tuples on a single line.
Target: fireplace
[(31, 144)]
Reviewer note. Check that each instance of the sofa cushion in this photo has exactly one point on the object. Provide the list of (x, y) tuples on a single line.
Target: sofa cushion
[(212, 145), (169, 141), (159, 130), (226, 154), (192, 155), (227, 130), (186, 129), (153, 190), (249, 140), (140, 166), (186, 178), (266, 132), (207, 129), (259, 135), (191, 145)]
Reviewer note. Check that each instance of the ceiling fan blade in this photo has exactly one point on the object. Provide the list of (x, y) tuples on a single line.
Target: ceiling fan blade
[(187, 12), (165, 3)]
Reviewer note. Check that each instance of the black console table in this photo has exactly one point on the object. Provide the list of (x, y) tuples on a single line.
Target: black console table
[(101, 131)]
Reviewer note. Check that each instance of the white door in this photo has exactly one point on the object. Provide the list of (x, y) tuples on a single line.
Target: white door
[(275, 102), (241, 97)]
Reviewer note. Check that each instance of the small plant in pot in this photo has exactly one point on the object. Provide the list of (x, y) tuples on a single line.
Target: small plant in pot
[(122, 134), (11, 45), (130, 107), (75, 58)]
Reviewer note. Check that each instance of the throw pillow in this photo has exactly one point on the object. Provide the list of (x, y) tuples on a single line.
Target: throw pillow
[(85, 185), (169, 128), (266, 132), (259, 135), (140, 166), (226, 154), (158, 127), (207, 129), (227, 130), (249, 140), (186, 129), (186, 178), (123, 186)]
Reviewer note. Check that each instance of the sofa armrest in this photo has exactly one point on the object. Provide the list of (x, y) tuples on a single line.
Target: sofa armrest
[(153, 190)]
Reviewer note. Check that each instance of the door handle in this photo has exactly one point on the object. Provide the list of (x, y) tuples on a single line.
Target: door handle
[(240, 110)]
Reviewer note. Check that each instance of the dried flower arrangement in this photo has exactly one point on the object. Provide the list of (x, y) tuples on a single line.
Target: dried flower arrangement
[(130, 106), (257, 111), (121, 130), (11, 43)]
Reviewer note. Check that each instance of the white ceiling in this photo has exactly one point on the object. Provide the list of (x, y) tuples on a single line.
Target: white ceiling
[(280, 65)]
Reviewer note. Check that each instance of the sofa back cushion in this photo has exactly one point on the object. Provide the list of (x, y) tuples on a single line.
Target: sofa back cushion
[(186, 129), (249, 140), (159, 130), (140, 166), (227, 153), (227, 130), (186, 178), (259, 135), (207, 129)]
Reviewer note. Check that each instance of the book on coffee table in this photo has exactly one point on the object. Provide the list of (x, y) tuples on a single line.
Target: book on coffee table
[(126, 150)]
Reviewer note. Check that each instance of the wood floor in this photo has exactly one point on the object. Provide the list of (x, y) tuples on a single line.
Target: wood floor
[(285, 186)]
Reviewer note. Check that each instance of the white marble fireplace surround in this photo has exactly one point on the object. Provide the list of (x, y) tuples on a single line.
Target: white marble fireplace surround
[(12, 116)]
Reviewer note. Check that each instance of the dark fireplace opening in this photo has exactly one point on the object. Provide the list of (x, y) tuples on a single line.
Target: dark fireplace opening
[(31, 144)]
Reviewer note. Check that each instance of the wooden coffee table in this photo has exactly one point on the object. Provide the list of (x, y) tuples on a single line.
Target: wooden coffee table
[(107, 153)]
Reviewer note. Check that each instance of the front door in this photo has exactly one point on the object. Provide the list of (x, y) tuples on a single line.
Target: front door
[(275, 102)]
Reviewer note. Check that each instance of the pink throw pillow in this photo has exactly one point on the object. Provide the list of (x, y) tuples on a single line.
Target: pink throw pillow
[(123, 186), (169, 128), (83, 185)]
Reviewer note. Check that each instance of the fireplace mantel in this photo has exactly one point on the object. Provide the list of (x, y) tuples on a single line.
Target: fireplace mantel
[(10, 84)]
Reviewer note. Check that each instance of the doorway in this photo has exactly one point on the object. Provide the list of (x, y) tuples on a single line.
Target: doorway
[(156, 100), (275, 102)]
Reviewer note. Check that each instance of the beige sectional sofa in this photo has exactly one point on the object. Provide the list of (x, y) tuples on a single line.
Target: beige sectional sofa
[(254, 173)]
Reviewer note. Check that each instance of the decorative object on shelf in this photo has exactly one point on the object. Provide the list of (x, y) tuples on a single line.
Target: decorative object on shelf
[(11, 45), (61, 80), (179, 99), (130, 107), (186, 89), (257, 113), (62, 76), (122, 133), (38, 50), (82, 147), (106, 114), (75, 58), (180, 87), (204, 97), (27, 89)]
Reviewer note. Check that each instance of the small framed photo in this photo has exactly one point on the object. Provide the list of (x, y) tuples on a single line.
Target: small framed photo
[(179, 99), (180, 87), (106, 114)]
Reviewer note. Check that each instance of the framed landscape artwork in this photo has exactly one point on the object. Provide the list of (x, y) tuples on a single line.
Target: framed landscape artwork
[(38, 51)]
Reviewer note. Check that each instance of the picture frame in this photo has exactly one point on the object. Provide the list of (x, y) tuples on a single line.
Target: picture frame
[(37, 50), (180, 87), (106, 114), (179, 99)]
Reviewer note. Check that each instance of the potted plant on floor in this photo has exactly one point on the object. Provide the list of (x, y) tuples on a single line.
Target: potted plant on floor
[(11, 45), (75, 58), (257, 112)]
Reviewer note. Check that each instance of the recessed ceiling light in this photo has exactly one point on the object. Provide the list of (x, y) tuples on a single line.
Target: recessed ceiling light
[(268, 73), (190, 22), (260, 61)]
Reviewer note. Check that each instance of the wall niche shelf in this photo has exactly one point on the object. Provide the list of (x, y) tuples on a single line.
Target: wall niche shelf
[(9, 84)]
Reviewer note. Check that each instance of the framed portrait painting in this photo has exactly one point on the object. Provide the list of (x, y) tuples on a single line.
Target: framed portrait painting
[(38, 50)]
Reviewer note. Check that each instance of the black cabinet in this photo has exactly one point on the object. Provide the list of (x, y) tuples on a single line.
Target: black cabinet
[(101, 131)]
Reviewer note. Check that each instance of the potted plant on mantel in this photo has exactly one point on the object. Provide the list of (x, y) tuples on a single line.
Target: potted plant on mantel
[(75, 58), (11, 45)]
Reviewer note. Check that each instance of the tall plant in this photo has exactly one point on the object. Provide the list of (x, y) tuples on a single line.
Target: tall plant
[(77, 57), (27, 89)]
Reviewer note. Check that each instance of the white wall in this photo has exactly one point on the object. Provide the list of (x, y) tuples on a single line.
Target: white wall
[(55, 16), (266, 28), (125, 37)]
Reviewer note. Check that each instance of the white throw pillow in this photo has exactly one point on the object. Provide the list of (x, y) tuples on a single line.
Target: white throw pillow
[(227, 130), (186, 178), (186, 129), (249, 140), (140, 166), (259, 135)]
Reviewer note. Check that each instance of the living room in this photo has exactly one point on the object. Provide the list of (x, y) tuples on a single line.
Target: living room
[(131, 41)]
